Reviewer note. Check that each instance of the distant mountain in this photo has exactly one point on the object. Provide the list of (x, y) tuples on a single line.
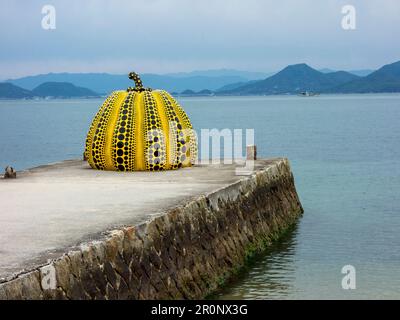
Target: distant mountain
[(62, 90), (385, 79), (205, 92), (360, 73), (294, 79), (247, 75), (97, 82), (105, 83), (195, 83), (235, 85), (188, 92), (291, 80), (10, 91), (326, 70), (341, 76)]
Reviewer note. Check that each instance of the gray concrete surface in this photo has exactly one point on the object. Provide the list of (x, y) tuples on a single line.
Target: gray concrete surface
[(51, 208)]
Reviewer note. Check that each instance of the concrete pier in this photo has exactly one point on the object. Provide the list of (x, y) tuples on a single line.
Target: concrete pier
[(109, 234)]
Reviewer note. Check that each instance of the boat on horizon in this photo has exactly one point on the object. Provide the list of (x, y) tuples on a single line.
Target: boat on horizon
[(308, 94)]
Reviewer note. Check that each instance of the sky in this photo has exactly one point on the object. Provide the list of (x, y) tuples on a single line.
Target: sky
[(162, 36)]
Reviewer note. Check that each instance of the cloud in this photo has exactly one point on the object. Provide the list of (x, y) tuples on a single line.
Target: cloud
[(177, 35)]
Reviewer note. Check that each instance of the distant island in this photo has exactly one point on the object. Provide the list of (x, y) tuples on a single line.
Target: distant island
[(299, 78), (293, 79), (104, 83), (60, 90)]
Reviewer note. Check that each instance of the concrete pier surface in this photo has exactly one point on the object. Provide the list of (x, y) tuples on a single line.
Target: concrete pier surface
[(49, 209), (70, 232)]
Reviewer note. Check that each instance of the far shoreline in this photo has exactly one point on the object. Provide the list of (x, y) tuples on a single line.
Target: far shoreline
[(212, 96)]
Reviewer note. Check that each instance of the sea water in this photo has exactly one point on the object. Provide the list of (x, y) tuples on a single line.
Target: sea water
[(345, 156)]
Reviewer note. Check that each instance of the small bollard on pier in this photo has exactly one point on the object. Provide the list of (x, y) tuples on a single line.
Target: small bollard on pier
[(10, 173), (251, 152), (251, 156)]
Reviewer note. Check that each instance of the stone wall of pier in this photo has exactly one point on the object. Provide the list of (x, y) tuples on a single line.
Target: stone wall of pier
[(185, 253)]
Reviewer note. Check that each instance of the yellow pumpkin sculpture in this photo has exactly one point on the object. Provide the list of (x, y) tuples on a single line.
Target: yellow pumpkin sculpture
[(140, 129)]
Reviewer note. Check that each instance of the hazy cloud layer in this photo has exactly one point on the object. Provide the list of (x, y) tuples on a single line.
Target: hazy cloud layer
[(168, 36)]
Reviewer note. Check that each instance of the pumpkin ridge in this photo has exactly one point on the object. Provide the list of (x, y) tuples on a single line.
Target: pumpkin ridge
[(183, 133), (122, 138), (98, 151), (109, 133), (175, 132), (154, 151), (130, 145), (139, 122), (191, 138), (93, 126), (165, 125)]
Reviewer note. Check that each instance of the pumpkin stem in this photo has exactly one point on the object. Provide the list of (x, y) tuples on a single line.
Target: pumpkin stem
[(138, 83)]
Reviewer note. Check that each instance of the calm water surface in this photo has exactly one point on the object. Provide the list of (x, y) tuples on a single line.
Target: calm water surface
[(345, 155)]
